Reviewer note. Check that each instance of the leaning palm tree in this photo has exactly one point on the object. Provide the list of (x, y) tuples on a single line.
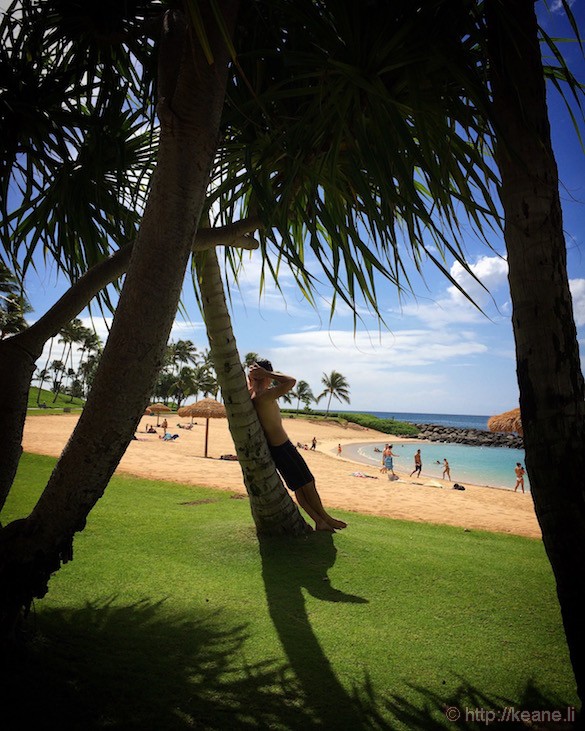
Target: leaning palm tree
[(336, 386)]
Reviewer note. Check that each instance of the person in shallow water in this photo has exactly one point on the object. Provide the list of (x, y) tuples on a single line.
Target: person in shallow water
[(266, 387)]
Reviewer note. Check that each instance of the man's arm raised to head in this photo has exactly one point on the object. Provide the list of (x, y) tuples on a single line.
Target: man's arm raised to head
[(283, 385)]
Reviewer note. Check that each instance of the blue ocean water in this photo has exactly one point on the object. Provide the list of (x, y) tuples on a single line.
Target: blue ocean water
[(459, 421), (492, 466)]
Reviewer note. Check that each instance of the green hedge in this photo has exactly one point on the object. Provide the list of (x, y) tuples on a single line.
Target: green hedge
[(386, 426)]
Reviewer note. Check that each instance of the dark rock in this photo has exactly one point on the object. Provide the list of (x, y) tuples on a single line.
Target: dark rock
[(473, 437)]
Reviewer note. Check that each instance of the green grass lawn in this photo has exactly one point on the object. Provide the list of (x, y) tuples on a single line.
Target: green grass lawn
[(173, 615), (52, 405)]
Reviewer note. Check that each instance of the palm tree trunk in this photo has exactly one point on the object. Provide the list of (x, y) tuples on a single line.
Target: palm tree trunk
[(273, 510), (19, 353), (192, 94), (551, 383), (44, 372)]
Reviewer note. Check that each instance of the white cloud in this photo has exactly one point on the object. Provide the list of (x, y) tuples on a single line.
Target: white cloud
[(454, 308), (577, 287), (557, 6)]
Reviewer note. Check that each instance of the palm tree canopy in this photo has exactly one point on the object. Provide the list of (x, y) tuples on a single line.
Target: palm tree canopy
[(351, 130), (336, 385)]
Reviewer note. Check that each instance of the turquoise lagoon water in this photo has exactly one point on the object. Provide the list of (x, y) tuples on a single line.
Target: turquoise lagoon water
[(492, 466)]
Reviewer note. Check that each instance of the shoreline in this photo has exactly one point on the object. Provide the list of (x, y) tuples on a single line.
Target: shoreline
[(344, 484), (355, 457)]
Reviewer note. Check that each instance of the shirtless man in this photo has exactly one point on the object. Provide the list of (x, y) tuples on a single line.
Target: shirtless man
[(417, 463), (289, 463)]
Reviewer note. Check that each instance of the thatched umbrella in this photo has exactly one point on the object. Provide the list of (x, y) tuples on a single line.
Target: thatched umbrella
[(207, 408), (509, 421), (158, 409)]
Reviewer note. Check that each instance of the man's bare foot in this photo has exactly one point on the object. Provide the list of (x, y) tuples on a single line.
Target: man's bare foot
[(322, 525), (339, 524)]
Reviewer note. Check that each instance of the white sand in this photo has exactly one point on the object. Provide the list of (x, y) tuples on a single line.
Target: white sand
[(433, 501)]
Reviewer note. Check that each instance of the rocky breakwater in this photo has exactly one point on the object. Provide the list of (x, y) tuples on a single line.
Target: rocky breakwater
[(472, 437)]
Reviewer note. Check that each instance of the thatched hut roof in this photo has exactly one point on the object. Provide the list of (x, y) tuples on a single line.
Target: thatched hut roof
[(158, 408), (207, 408), (509, 421)]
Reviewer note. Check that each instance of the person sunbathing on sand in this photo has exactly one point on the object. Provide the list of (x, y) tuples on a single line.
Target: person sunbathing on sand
[(292, 467)]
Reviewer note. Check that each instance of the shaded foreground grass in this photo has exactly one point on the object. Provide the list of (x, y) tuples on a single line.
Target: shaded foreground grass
[(174, 616)]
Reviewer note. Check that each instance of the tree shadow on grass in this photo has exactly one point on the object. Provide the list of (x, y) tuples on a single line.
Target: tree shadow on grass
[(85, 669), (291, 565), (468, 709), (142, 668), (288, 567)]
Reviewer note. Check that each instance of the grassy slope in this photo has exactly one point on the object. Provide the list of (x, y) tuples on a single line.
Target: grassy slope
[(63, 401), (173, 616)]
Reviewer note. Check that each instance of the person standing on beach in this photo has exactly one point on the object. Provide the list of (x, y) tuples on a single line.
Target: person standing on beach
[(339, 450), (519, 470), (388, 461), (314, 444), (417, 463), (265, 388), (446, 470)]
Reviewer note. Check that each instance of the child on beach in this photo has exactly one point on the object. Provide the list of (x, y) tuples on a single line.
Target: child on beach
[(292, 467)]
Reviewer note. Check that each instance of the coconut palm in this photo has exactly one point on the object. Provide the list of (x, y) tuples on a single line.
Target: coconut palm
[(70, 334), (249, 359), (184, 385), (182, 352), (302, 392), (91, 346), (13, 304), (336, 386)]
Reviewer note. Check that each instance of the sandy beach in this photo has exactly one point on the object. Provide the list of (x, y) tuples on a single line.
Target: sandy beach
[(417, 499)]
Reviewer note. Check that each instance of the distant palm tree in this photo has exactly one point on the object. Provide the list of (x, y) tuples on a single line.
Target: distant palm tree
[(181, 353), (303, 393), (335, 385), (69, 334), (13, 304), (249, 359)]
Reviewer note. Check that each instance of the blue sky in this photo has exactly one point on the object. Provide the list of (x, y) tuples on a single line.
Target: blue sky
[(438, 354)]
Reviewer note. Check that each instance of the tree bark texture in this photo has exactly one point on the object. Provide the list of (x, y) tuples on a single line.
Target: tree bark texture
[(273, 510), (549, 372), (190, 111)]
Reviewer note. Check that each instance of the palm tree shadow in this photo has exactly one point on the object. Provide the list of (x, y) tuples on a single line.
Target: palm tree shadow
[(84, 668), (288, 567)]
